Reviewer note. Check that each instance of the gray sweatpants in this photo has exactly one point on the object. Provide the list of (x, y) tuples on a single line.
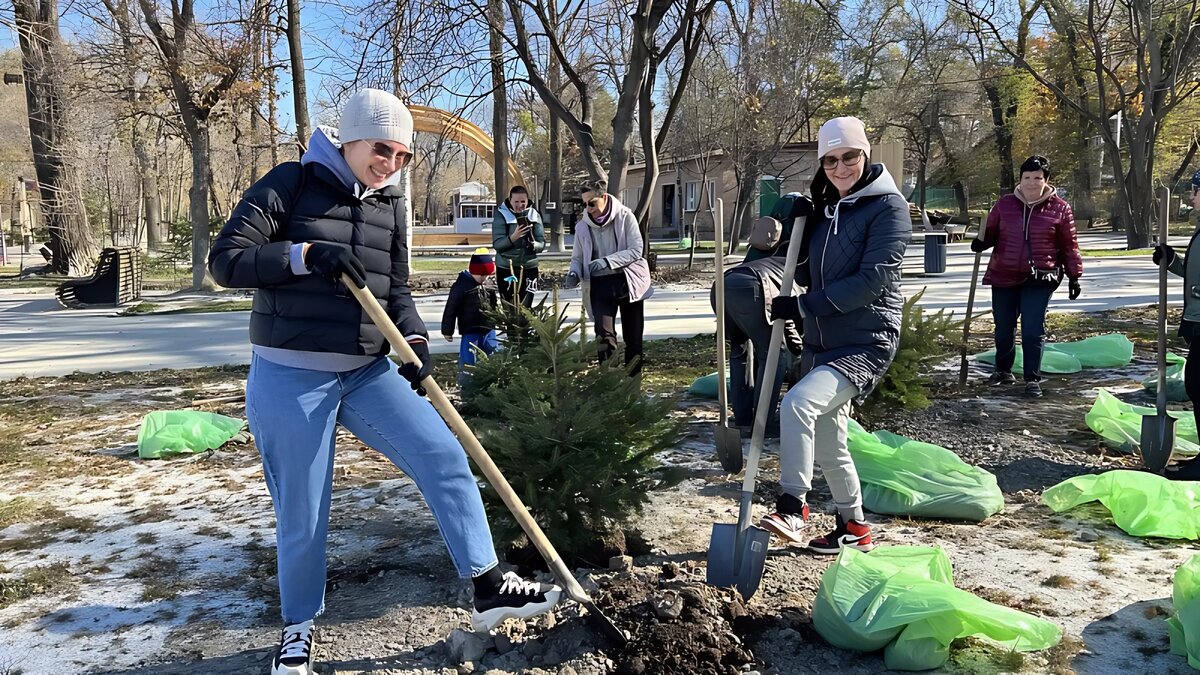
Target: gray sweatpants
[(813, 419)]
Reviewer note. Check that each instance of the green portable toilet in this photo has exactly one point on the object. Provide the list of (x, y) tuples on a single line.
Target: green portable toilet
[(768, 194)]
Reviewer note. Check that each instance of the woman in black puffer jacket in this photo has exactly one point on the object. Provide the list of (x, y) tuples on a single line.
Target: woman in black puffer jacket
[(850, 263)]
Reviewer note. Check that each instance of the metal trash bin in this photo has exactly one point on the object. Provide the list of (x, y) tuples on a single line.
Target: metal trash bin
[(935, 252)]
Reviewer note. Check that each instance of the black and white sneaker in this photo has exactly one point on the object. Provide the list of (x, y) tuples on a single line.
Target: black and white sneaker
[(1001, 378), (514, 599), (295, 650)]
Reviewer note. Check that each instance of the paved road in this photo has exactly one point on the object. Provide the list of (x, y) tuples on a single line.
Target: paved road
[(38, 338)]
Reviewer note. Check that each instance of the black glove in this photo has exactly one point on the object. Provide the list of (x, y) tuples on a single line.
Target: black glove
[(1073, 289), (803, 207), (785, 307), (1163, 250), (334, 260), (978, 245), (414, 375)]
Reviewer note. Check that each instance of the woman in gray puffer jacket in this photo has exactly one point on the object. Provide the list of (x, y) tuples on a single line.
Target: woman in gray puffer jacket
[(850, 264)]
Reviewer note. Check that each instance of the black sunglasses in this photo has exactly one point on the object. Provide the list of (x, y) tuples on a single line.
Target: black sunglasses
[(383, 151), (848, 159)]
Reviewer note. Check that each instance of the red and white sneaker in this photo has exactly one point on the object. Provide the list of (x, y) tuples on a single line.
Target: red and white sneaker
[(787, 522), (848, 534)]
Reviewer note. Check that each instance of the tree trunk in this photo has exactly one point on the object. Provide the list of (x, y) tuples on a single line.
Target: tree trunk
[(1002, 131), (557, 234), (155, 235), (299, 87), (71, 240), (495, 17), (198, 196)]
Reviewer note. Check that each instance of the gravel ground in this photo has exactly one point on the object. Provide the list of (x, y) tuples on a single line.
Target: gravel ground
[(168, 567)]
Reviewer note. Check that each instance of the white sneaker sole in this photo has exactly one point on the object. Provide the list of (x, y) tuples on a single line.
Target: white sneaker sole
[(484, 622), (776, 529), (834, 550), (305, 669)]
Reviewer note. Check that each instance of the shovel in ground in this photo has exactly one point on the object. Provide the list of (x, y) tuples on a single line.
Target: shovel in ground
[(490, 471), (728, 440), (737, 553), (1158, 431)]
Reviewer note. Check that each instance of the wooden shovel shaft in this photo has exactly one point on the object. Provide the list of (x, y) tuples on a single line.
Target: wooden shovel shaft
[(472, 446), (770, 367), (962, 366), (1165, 199), (719, 258)]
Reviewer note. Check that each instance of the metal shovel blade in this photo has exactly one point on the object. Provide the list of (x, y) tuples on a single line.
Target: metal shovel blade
[(734, 564), (729, 447), (1157, 441)]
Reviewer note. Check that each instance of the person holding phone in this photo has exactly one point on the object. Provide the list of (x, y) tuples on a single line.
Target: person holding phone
[(518, 237)]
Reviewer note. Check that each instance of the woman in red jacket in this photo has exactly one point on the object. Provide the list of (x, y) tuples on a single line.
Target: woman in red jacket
[(1033, 231)]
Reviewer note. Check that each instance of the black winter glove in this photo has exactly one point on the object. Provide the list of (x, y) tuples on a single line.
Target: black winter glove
[(978, 245), (785, 307), (334, 260), (414, 375), (1163, 250), (803, 207), (1073, 289)]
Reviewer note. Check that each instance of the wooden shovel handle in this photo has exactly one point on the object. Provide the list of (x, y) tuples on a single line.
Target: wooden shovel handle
[(470, 443)]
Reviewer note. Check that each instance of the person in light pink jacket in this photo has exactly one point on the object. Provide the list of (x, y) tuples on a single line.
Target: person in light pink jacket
[(608, 253)]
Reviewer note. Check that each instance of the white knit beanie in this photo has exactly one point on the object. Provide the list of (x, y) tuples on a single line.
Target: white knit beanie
[(376, 115), (842, 132)]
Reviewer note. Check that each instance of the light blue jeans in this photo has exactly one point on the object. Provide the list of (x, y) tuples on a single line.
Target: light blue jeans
[(294, 413)]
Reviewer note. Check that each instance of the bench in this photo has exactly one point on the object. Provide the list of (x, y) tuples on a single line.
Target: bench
[(116, 281)]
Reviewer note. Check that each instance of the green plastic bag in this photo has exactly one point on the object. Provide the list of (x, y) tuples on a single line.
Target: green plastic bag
[(705, 386), (173, 432), (1141, 503), (902, 599), (1111, 350), (902, 476), (1055, 363), (1120, 425), (1184, 622), (1176, 391)]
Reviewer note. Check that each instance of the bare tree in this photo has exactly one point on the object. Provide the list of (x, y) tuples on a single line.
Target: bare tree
[(299, 78), (202, 69), (1142, 57), (495, 19), (44, 65), (648, 41)]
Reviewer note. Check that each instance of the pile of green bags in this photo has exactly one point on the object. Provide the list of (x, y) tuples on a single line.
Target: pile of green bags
[(902, 476), (1175, 387), (173, 432), (1112, 350), (1120, 425), (1184, 622), (1142, 504), (902, 599)]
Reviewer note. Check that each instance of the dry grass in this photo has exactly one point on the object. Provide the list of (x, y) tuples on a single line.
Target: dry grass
[(19, 510), (1059, 581), (34, 581)]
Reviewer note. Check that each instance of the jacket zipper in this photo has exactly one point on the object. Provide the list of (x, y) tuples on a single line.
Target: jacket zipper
[(821, 269)]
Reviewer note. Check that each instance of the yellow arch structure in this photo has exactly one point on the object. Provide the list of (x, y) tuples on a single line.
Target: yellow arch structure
[(455, 128)]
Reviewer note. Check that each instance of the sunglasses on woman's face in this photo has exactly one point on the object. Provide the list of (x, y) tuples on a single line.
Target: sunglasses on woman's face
[(593, 203), (382, 151), (848, 159)]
